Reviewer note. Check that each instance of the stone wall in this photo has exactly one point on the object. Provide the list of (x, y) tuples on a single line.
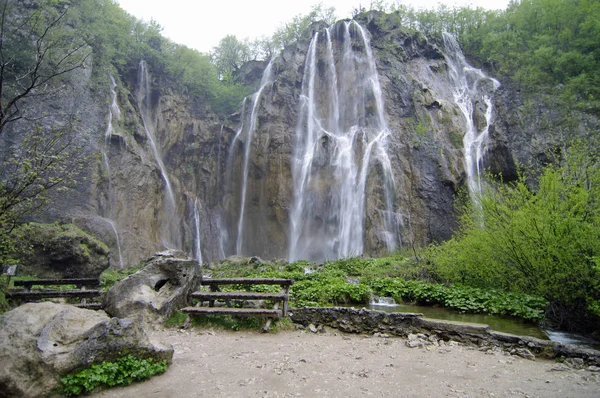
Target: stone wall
[(421, 331)]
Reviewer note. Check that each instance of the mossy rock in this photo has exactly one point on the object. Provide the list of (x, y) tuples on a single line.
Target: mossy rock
[(60, 251)]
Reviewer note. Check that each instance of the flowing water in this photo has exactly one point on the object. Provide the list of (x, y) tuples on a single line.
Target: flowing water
[(114, 113), (472, 88), (171, 234), (197, 247), (247, 129), (113, 225), (497, 323), (341, 133)]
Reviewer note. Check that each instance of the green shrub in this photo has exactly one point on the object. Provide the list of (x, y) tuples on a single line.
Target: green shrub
[(123, 371), (543, 241)]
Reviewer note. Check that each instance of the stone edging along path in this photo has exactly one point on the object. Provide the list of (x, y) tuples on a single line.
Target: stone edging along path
[(422, 331)]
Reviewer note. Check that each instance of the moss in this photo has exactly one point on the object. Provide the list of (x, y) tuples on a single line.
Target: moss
[(456, 139)]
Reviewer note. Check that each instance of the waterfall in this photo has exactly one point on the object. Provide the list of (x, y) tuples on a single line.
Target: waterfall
[(113, 113), (341, 133), (113, 225), (471, 86), (248, 127), (197, 247), (171, 235)]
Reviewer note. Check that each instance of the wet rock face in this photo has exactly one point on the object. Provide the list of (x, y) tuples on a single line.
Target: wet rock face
[(205, 165), (40, 342)]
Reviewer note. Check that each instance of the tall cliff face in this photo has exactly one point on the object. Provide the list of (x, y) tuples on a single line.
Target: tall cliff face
[(354, 143), (356, 147)]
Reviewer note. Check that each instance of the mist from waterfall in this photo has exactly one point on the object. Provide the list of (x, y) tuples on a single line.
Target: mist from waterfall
[(340, 135), (472, 87), (171, 234)]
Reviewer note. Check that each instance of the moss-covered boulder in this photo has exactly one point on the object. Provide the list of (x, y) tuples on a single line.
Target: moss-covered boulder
[(60, 251)]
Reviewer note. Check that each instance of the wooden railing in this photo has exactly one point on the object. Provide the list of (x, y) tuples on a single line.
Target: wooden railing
[(215, 294), (28, 294)]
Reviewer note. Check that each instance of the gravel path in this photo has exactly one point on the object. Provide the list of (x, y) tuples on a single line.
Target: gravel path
[(303, 364)]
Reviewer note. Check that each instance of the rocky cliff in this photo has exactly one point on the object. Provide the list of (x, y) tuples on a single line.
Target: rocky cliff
[(354, 143)]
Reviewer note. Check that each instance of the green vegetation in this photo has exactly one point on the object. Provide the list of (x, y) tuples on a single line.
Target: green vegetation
[(109, 277), (550, 46), (120, 372), (356, 280), (226, 322), (543, 241)]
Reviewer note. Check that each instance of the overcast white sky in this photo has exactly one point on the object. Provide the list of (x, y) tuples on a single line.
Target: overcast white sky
[(201, 24)]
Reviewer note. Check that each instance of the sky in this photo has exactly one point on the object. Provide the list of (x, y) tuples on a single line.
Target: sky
[(201, 24)]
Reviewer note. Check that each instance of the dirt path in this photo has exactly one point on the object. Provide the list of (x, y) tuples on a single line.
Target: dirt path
[(303, 364)]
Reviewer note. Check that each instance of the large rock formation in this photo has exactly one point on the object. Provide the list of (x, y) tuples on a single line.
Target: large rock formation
[(61, 251), (172, 175), (152, 294), (40, 342)]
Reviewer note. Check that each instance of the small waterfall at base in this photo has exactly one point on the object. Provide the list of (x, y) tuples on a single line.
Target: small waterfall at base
[(472, 87), (197, 247), (113, 225), (248, 127), (382, 301), (106, 211), (341, 133), (171, 234)]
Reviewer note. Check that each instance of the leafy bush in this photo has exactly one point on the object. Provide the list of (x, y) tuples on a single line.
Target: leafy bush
[(462, 298), (123, 371), (543, 241)]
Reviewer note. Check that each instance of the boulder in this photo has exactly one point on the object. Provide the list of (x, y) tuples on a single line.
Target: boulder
[(157, 290), (61, 251), (40, 342)]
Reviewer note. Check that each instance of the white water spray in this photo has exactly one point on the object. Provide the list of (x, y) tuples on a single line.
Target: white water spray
[(197, 247), (114, 113), (249, 127), (171, 235), (341, 132), (471, 86)]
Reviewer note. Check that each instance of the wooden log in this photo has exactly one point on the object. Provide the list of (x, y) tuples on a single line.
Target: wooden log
[(247, 281), (39, 294), (231, 311), (28, 283), (238, 296)]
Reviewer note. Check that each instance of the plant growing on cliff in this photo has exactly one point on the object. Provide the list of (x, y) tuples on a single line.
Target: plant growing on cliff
[(38, 52)]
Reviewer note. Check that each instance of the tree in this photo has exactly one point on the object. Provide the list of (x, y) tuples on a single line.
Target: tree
[(229, 56), (36, 50), (299, 25), (38, 154)]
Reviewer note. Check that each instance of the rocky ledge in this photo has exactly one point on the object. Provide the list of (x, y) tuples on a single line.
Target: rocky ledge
[(423, 332)]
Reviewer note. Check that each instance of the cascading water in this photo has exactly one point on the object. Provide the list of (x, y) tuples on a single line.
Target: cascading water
[(114, 113), (341, 127), (113, 225), (248, 126), (197, 247), (472, 86), (171, 234)]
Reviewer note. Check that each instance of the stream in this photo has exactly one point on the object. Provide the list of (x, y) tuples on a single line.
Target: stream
[(497, 323)]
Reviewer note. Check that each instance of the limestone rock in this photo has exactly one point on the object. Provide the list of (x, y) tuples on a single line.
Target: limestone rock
[(156, 291), (62, 251), (40, 342)]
